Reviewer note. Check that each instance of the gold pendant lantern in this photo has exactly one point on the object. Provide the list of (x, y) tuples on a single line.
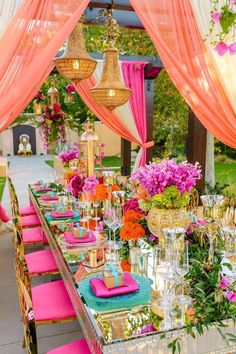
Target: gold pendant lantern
[(111, 91), (53, 96), (76, 64)]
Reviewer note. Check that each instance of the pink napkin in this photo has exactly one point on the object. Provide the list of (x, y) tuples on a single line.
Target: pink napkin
[(48, 198), (68, 214), (100, 290), (69, 237), (43, 190)]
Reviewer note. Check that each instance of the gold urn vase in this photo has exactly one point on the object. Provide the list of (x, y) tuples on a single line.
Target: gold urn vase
[(159, 219)]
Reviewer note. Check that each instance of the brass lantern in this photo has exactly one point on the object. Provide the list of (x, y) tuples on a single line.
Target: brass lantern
[(53, 96), (76, 64), (111, 91), (89, 138)]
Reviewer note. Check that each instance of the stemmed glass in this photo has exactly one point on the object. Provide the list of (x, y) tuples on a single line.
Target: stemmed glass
[(182, 268), (117, 222), (96, 205), (108, 219), (165, 271), (213, 212)]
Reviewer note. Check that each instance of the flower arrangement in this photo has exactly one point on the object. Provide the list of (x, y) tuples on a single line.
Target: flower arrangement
[(39, 98), (166, 185), (75, 185), (52, 125), (132, 231), (90, 185), (223, 23), (70, 88), (67, 156)]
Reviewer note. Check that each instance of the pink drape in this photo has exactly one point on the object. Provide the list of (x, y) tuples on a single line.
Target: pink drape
[(133, 73), (109, 118), (28, 48), (174, 31)]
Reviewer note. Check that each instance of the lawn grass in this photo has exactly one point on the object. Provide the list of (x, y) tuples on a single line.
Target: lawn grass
[(226, 174), (2, 185)]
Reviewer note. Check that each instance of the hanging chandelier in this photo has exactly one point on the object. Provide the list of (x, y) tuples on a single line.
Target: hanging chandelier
[(76, 64), (111, 91)]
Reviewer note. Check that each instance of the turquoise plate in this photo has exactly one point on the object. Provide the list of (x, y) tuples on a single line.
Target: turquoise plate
[(140, 297), (74, 218)]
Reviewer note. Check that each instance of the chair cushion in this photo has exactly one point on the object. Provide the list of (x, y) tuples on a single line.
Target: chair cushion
[(29, 210), (51, 302), (30, 220), (77, 347), (41, 262), (34, 234)]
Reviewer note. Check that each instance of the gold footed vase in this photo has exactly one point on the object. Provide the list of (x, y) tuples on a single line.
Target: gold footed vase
[(52, 147), (159, 219)]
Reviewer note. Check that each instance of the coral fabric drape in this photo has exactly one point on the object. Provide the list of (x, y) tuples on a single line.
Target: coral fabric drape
[(28, 48), (129, 120), (174, 31), (7, 11), (226, 64)]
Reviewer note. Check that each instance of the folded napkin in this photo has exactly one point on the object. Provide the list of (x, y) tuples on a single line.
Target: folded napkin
[(100, 290), (68, 214), (69, 237), (48, 198), (45, 190)]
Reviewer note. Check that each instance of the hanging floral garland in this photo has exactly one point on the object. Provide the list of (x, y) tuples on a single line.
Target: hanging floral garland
[(52, 125), (223, 26)]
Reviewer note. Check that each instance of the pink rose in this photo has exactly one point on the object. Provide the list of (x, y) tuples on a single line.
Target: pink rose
[(232, 48), (221, 48), (56, 107), (231, 296), (216, 17), (224, 283), (232, 2), (70, 88)]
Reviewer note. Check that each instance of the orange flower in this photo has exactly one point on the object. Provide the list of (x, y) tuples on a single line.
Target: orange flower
[(131, 231), (69, 175), (92, 224), (141, 192), (101, 192), (115, 188), (125, 265), (132, 216)]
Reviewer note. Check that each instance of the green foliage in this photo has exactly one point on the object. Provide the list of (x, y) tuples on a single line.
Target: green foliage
[(170, 198), (2, 186), (170, 118)]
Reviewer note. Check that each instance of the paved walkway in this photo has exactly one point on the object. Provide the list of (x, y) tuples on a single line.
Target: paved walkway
[(23, 171)]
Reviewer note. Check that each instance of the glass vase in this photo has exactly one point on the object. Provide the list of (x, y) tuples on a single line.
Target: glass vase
[(134, 251)]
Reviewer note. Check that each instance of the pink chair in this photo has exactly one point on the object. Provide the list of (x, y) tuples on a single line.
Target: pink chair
[(77, 347), (43, 304), (30, 221), (29, 210), (39, 262)]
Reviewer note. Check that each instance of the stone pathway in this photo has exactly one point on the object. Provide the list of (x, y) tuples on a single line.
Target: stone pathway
[(24, 171)]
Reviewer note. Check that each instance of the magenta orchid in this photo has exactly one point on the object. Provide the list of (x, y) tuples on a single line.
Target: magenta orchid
[(68, 155), (155, 177)]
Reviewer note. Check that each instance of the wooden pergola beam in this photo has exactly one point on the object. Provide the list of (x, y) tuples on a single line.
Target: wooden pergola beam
[(99, 5)]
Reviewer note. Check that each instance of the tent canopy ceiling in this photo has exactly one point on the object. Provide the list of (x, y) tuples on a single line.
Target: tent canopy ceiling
[(123, 12)]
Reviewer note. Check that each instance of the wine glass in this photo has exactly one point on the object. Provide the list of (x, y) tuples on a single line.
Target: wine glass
[(182, 268), (117, 222)]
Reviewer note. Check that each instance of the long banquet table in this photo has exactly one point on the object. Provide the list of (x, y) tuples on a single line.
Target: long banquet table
[(208, 343)]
